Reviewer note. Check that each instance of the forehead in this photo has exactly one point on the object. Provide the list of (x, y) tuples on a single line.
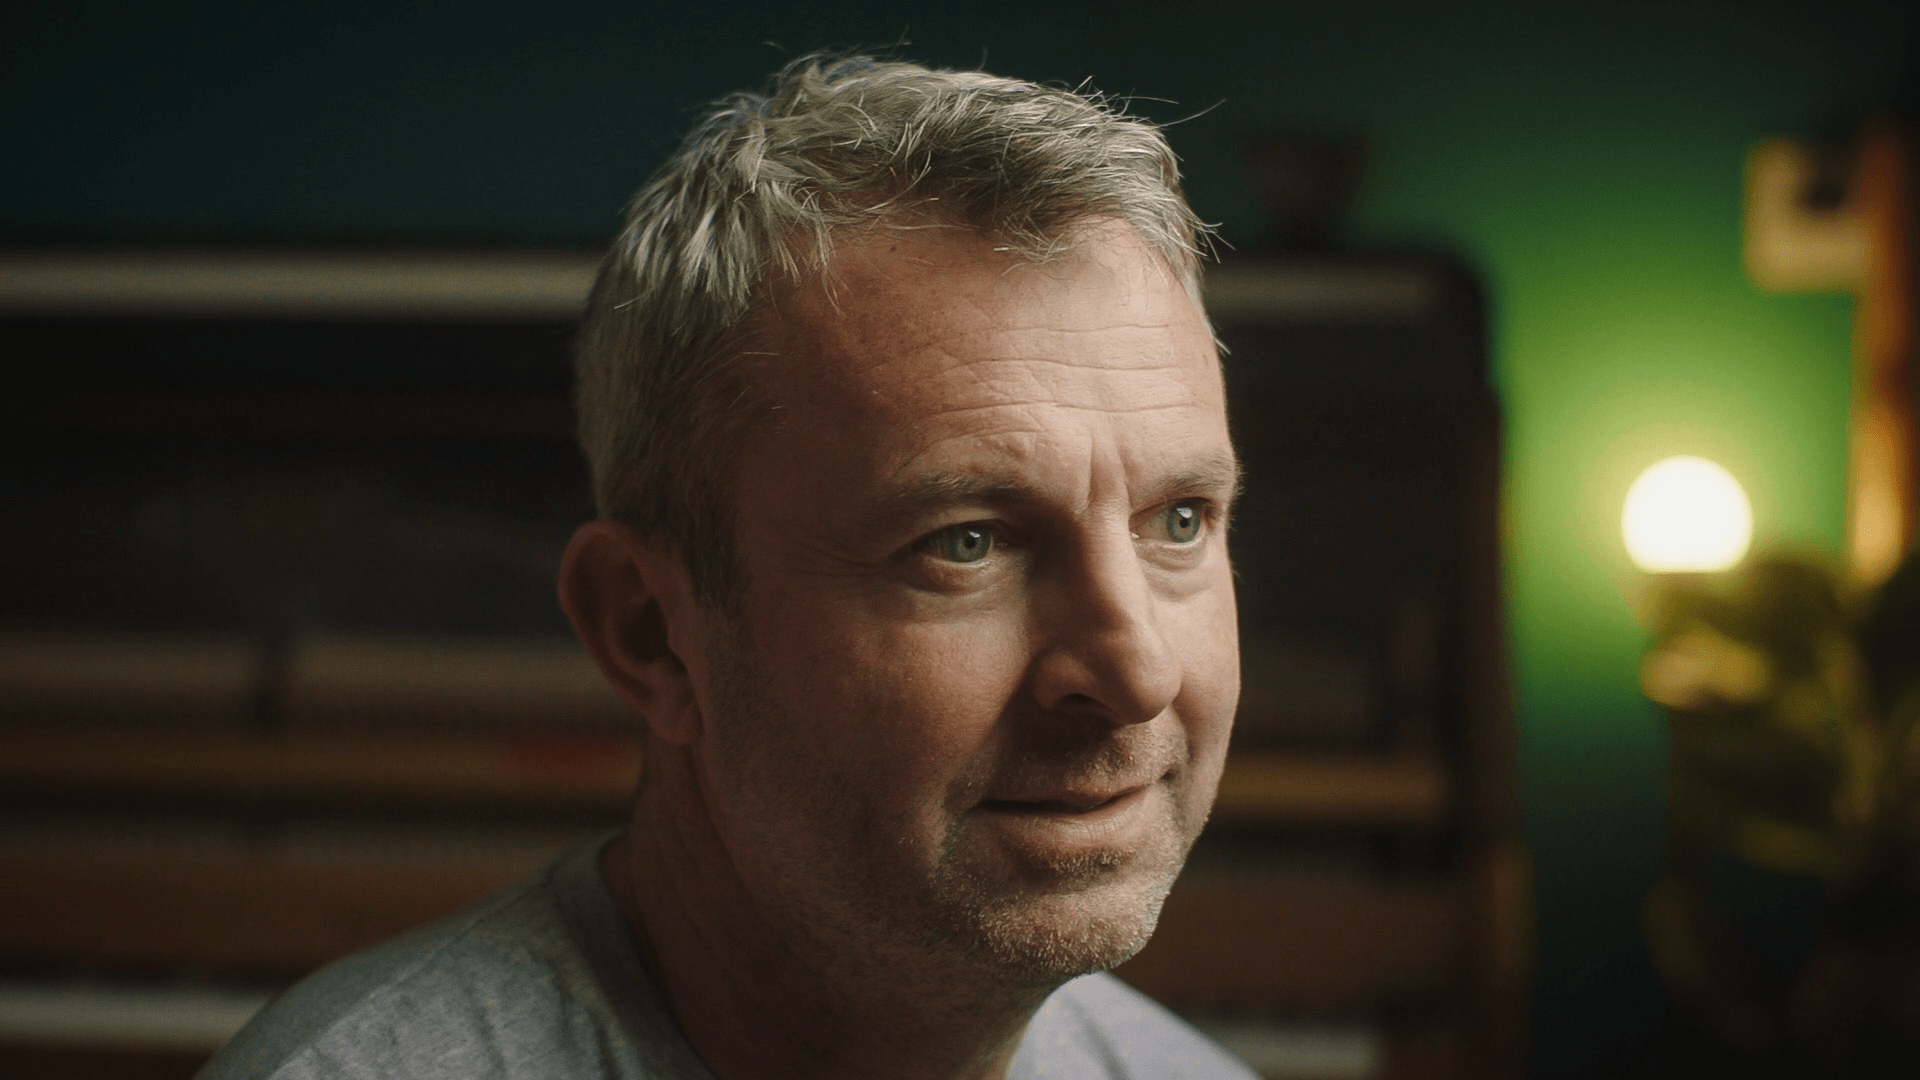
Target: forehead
[(921, 336)]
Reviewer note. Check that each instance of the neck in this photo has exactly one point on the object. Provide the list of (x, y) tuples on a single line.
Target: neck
[(759, 998)]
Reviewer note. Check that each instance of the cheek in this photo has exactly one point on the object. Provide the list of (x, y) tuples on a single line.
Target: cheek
[(912, 709), (1211, 686)]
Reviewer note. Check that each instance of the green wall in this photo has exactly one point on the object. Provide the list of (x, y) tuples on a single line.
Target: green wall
[(1586, 158)]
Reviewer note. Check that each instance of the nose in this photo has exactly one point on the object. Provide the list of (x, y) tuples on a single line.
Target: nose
[(1104, 652)]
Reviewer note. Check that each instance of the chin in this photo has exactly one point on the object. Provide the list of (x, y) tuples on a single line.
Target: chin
[(1042, 941)]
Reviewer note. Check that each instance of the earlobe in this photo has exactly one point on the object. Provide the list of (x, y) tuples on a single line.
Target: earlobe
[(625, 597)]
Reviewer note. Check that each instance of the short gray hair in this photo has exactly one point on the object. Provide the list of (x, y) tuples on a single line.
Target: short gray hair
[(757, 189)]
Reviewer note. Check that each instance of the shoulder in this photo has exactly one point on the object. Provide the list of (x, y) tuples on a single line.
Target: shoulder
[(1099, 1028), (409, 1003), (505, 988)]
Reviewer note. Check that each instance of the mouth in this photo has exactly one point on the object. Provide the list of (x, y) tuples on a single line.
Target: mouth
[(1107, 827), (1071, 804)]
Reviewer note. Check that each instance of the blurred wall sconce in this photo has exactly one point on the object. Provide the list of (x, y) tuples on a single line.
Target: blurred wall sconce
[(1686, 515)]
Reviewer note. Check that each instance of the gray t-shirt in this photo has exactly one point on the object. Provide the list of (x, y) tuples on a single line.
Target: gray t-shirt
[(543, 980)]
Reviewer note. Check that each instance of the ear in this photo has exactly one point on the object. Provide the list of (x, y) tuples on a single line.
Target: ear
[(631, 603)]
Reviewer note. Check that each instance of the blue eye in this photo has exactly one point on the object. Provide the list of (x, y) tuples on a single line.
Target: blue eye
[(961, 543), (1182, 523)]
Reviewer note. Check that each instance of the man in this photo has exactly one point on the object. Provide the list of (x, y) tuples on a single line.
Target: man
[(909, 441)]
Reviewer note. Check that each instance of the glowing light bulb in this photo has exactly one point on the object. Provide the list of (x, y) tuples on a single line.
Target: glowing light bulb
[(1686, 514)]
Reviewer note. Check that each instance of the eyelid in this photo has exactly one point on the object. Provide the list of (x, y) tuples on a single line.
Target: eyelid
[(926, 542), (983, 524), (1208, 509)]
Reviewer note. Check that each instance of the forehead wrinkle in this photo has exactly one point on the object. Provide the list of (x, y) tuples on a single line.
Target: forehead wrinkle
[(1043, 327), (1037, 318), (1101, 363), (864, 349), (1026, 381), (1063, 406), (856, 348)]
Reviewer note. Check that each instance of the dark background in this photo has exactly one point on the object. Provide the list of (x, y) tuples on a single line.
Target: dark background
[(1584, 158)]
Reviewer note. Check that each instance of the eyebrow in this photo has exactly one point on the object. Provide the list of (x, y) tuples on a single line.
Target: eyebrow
[(907, 498), (1217, 477)]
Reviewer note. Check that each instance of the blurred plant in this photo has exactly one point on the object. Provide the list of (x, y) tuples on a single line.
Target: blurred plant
[(1793, 717)]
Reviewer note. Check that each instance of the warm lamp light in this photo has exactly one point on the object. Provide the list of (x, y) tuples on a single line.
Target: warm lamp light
[(1686, 514)]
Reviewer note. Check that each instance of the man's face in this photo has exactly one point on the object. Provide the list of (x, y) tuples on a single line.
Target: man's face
[(976, 695)]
